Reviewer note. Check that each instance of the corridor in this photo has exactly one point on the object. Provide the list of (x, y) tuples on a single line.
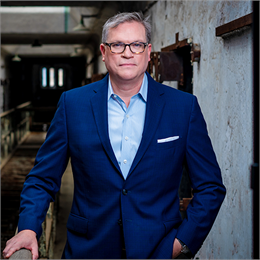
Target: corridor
[(205, 48)]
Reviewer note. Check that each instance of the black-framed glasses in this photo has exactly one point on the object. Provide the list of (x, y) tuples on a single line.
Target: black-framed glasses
[(119, 47)]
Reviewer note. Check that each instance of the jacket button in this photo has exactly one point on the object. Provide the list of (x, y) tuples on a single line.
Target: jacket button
[(119, 222), (124, 191)]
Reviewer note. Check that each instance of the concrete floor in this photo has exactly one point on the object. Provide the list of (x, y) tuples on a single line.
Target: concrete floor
[(65, 202)]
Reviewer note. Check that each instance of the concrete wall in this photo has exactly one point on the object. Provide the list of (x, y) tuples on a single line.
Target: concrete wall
[(222, 81)]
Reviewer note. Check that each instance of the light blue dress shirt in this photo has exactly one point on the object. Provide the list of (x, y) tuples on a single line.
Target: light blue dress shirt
[(125, 125)]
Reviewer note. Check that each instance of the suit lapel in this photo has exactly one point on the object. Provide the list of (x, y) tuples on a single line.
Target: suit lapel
[(99, 108), (154, 109)]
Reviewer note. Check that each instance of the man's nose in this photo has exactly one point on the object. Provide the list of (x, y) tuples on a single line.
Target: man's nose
[(127, 52)]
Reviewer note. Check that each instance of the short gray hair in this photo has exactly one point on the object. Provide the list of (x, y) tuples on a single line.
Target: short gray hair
[(117, 19)]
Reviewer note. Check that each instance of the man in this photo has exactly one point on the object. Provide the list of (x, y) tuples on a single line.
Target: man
[(127, 137)]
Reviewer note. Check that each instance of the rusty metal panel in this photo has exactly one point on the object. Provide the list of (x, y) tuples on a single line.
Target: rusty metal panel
[(234, 25), (166, 66), (171, 66), (153, 65)]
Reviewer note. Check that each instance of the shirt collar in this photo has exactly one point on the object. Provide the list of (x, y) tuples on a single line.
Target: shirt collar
[(143, 90)]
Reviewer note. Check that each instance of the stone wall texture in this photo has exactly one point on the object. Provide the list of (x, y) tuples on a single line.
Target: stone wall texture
[(222, 81)]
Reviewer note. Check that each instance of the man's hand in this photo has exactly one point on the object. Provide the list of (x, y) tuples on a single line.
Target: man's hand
[(176, 248), (24, 239)]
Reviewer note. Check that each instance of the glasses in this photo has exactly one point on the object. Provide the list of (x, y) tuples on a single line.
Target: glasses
[(119, 47)]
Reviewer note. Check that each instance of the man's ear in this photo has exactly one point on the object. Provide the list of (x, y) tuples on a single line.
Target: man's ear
[(103, 50), (149, 47)]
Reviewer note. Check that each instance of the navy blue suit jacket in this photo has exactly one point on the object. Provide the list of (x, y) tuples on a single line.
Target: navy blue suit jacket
[(149, 205)]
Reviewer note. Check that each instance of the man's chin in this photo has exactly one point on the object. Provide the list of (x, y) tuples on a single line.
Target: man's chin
[(129, 76)]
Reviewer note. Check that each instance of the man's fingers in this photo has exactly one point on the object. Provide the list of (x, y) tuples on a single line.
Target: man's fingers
[(8, 253), (24, 239), (35, 253)]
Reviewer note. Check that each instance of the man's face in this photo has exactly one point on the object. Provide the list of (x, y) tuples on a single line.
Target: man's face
[(126, 66)]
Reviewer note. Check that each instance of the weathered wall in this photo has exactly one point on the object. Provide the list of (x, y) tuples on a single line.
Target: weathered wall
[(222, 81)]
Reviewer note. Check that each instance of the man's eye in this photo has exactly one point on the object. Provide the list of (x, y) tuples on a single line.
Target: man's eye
[(137, 45), (117, 45)]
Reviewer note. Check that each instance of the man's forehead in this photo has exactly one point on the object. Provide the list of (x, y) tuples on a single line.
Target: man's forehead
[(114, 32)]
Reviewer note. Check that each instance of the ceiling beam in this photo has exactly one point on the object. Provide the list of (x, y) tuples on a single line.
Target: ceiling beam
[(44, 38), (50, 3)]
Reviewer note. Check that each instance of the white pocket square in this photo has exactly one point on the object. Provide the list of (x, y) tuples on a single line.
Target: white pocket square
[(169, 139)]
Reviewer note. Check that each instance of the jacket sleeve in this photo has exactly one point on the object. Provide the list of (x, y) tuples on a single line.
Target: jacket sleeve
[(43, 181), (206, 181)]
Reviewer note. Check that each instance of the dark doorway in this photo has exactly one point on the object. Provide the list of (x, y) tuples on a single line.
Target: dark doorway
[(42, 80)]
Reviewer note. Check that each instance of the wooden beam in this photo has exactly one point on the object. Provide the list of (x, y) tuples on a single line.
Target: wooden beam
[(234, 25)]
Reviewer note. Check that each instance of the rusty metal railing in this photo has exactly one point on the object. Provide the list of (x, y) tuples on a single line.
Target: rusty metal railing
[(21, 254), (47, 239), (15, 125)]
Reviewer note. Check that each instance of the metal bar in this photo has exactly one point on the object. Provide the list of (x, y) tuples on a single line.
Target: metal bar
[(25, 120), (21, 254), (13, 109), (24, 105), (14, 130), (177, 44), (234, 25), (7, 112)]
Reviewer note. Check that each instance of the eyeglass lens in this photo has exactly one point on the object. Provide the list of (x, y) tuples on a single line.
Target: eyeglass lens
[(135, 47)]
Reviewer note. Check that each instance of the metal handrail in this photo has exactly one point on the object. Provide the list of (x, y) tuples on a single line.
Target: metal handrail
[(46, 241), (7, 112), (15, 124), (22, 254)]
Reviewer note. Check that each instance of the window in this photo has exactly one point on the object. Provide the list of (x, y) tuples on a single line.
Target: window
[(52, 77), (44, 77), (60, 77)]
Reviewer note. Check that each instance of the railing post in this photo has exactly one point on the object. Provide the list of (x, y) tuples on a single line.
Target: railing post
[(14, 126)]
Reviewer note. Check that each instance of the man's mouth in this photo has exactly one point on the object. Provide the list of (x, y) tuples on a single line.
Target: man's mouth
[(127, 65)]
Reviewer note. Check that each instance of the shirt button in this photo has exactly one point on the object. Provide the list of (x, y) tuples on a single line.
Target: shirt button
[(127, 116), (126, 138), (124, 191), (125, 161), (115, 95)]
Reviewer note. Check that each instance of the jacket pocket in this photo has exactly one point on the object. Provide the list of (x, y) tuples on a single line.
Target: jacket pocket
[(77, 223), (169, 144), (174, 223)]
